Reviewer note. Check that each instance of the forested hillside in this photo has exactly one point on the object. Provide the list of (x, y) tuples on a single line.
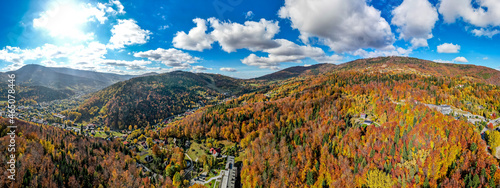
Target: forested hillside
[(308, 131), (147, 100), (51, 157)]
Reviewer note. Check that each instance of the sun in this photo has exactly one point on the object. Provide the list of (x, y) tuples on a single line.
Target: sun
[(67, 20)]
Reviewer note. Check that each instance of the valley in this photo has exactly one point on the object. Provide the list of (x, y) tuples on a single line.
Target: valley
[(391, 121)]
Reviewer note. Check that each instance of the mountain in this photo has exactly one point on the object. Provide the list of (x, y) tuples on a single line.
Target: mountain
[(39, 83), (297, 71), (150, 99), (65, 78), (108, 78), (366, 123), (424, 67), (393, 64)]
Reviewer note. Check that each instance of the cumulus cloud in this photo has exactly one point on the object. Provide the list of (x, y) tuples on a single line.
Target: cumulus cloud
[(197, 39), (127, 32), (170, 57), (288, 52), (415, 19), (481, 13), (342, 25), (255, 36), (90, 53), (227, 69), (460, 59), (448, 48), (85, 57), (485, 32)]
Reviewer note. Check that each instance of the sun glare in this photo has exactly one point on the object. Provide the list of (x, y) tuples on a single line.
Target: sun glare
[(66, 20)]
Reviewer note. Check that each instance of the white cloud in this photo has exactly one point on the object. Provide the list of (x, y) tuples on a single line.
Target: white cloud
[(127, 32), (382, 53), (199, 68), (485, 58), (197, 38), (448, 48), (170, 57), (249, 15), (228, 69), (340, 24), (485, 32), (131, 65), (415, 19), (67, 20), (288, 52), (91, 53), (255, 36), (442, 61), (85, 57), (164, 27), (481, 13), (460, 59), (419, 42)]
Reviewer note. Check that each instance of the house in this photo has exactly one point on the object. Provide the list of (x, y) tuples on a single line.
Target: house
[(91, 126), (125, 143), (367, 122), (149, 158), (362, 116), (215, 151), (187, 144)]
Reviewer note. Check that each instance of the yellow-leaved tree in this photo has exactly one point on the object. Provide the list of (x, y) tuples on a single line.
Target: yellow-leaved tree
[(378, 179)]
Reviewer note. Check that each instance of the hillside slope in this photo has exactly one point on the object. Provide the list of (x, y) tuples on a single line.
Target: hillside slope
[(424, 67), (308, 128), (48, 156), (147, 100)]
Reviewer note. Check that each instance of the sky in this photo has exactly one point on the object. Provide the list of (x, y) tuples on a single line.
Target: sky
[(243, 38)]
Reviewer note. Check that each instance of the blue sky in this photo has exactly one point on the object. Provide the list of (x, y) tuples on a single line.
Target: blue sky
[(242, 38)]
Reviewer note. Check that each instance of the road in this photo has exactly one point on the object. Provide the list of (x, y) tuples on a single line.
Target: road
[(215, 177), (190, 167), (495, 121)]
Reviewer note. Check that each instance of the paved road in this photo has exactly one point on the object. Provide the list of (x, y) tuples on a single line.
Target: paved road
[(215, 177)]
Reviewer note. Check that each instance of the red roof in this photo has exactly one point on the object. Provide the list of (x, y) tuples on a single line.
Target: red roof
[(214, 150)]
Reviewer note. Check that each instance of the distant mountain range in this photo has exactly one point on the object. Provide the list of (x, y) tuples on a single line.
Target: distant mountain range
[(42, 83), (394, 64), (50, 83), (65, 78)]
